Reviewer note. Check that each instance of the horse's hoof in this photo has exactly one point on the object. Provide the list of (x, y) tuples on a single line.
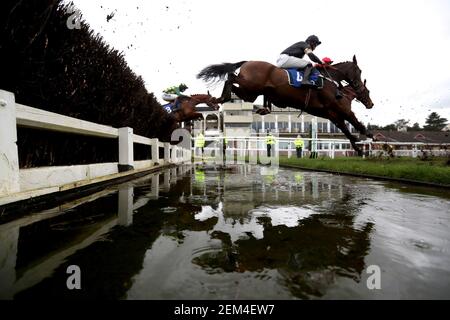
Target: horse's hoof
[(262, 112)]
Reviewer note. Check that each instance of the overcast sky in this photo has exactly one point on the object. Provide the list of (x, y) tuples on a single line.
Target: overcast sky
[(402, 46)]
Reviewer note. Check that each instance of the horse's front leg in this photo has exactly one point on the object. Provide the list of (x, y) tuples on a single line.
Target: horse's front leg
[(263, 111), (267, 103), (267, 106), (341, 125), (350, 117)]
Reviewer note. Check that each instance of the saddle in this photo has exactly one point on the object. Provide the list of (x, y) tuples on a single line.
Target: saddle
[(295, 77), (168, 107), (172, 106)]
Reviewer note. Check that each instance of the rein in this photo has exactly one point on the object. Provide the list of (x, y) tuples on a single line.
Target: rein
[(330, 78), (357, 88)]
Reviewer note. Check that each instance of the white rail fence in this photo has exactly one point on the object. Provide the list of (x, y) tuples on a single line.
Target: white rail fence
[(242, 146), (332, 148), (406, 149), (19, 184)]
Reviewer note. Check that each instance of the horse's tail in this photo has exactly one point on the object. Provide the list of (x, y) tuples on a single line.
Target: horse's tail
[(218, 71)]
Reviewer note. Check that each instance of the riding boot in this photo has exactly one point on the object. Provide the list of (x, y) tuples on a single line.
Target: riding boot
[(176, 105), (306, 75)]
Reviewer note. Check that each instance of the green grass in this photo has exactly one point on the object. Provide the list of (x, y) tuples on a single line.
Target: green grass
[(435, 170)]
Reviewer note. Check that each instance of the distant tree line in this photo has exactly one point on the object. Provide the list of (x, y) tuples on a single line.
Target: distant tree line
[(434, 122), (72, 72)]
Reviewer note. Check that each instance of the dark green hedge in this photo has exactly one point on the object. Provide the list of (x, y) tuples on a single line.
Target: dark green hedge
[(75, 73)]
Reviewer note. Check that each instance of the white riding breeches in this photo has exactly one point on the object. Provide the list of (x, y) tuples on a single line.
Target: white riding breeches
[(285, 61), (169, 97)]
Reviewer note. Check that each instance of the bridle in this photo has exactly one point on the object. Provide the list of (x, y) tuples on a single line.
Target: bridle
[(357, 86)]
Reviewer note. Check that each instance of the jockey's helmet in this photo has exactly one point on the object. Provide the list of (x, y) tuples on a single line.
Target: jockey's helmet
[(313, 40), (182, 87)]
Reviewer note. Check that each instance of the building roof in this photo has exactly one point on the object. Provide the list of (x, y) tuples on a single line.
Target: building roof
[(412, 136)]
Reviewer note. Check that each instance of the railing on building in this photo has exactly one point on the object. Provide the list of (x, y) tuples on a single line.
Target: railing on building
[(19, 184)]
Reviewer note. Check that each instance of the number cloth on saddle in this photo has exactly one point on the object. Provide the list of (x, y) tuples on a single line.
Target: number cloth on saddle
[(296, 77)]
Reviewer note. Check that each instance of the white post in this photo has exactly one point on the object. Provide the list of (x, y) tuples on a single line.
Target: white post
[(302, 128), (204, 124), (263, 124), (9, 243), (9, 157), (126, 206), (173, 175), (314, 135), (289, 148), (276, 123), (155, 151), (175, 155), (154, 194), (166, 185), (126, 153), (166, 153), (290, 124), (184, 153)]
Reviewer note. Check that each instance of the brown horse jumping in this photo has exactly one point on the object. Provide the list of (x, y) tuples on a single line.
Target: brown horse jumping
[(261, 78), (187, 110)]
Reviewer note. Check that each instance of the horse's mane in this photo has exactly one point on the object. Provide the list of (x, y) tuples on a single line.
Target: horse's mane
[(198, 94), (192, 96), (183, 98), (339, 63)]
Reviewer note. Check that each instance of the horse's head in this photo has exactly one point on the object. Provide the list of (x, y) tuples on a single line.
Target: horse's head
[(208, 99), (352, 74)]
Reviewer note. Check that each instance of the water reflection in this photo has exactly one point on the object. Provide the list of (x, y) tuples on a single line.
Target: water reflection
[(90, 232), (221, 233), (275, 224)]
